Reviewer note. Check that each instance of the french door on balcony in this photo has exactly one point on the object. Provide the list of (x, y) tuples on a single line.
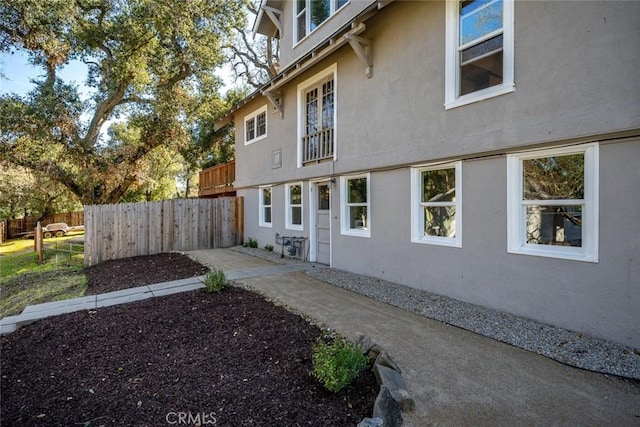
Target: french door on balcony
[(318, 141)]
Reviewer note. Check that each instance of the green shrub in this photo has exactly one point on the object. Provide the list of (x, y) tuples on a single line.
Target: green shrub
[(336, 364), (251, 243), (269, 248), (215, 280)]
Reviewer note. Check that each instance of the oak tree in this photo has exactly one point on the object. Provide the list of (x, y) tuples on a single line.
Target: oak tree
[(151, 62)]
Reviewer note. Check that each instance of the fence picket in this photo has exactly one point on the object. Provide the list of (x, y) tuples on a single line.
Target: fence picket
[(148, 228)]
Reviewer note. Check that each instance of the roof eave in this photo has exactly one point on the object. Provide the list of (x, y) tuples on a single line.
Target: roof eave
[(263, 23), (285, 75)]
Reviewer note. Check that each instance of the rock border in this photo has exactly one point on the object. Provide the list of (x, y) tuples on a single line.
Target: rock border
[(394, 397)]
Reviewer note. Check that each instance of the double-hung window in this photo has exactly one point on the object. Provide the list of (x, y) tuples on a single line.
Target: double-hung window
[(355, 205), (293, 206), (317, 118), (265, 207), (309, 14), (553, 203), (436, 197), (255, 126), (479, 49)]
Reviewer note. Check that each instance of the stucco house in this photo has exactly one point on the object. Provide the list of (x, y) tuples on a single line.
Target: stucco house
[(486, 150)]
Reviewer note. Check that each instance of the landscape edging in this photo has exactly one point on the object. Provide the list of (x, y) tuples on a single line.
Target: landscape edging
[(393, 398)]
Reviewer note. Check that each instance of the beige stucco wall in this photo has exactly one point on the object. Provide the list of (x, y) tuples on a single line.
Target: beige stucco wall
[(600, 299), (597, 298), (576, 76), (293, 50), (576, 80)]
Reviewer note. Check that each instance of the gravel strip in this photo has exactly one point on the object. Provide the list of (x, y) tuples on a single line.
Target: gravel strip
[(571, 348)]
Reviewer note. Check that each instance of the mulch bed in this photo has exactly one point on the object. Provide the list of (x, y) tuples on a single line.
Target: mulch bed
[(225, 359), (125, 273)]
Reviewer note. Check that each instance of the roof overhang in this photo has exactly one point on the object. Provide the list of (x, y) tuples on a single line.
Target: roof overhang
[(347, 34), (269, 19)]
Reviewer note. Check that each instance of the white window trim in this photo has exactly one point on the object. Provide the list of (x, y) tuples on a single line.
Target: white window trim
[(288, 217), (261, 221), (417, 222), (516, 221), (307, 24), (344, 209), (452, 72), (254, 116), (302, 88)]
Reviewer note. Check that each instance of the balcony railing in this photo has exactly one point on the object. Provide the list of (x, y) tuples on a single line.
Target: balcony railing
[(218, 180), (317, 146)]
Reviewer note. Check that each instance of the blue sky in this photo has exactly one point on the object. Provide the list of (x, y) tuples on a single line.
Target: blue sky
[(18, 73)]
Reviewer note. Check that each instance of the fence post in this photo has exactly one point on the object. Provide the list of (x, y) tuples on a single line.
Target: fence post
[(38, 242), (239, 212)]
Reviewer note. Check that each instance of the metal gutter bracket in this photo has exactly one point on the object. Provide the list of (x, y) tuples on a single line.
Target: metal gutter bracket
[(276, 100), (362, 48)]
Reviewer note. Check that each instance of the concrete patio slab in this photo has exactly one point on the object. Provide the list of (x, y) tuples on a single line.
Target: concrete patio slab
[(237, 275), (266, 270), (229, 260)]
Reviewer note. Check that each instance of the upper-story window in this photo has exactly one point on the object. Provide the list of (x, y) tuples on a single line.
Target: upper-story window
[(479, 62), (317, 117), (309, 14), (255, 126)]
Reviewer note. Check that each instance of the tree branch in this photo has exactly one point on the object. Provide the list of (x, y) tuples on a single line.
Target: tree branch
[(101, 115)]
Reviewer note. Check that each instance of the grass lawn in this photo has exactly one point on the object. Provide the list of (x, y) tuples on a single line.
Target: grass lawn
[(24, 281)]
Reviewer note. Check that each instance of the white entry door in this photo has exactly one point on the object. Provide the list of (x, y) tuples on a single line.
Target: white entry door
[(323, 223)]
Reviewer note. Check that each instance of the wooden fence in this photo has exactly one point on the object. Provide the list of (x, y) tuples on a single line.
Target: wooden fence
[(148, 228), (18, 227)]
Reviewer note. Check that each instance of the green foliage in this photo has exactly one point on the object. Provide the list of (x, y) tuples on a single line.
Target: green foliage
[(560, 177), (216, 280), (25, 192), (269, 248), (336, 364), (250, 243), (152, 62), (25, 282)]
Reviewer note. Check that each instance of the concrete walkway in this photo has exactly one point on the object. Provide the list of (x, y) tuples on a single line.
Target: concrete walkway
[(456, 377)]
